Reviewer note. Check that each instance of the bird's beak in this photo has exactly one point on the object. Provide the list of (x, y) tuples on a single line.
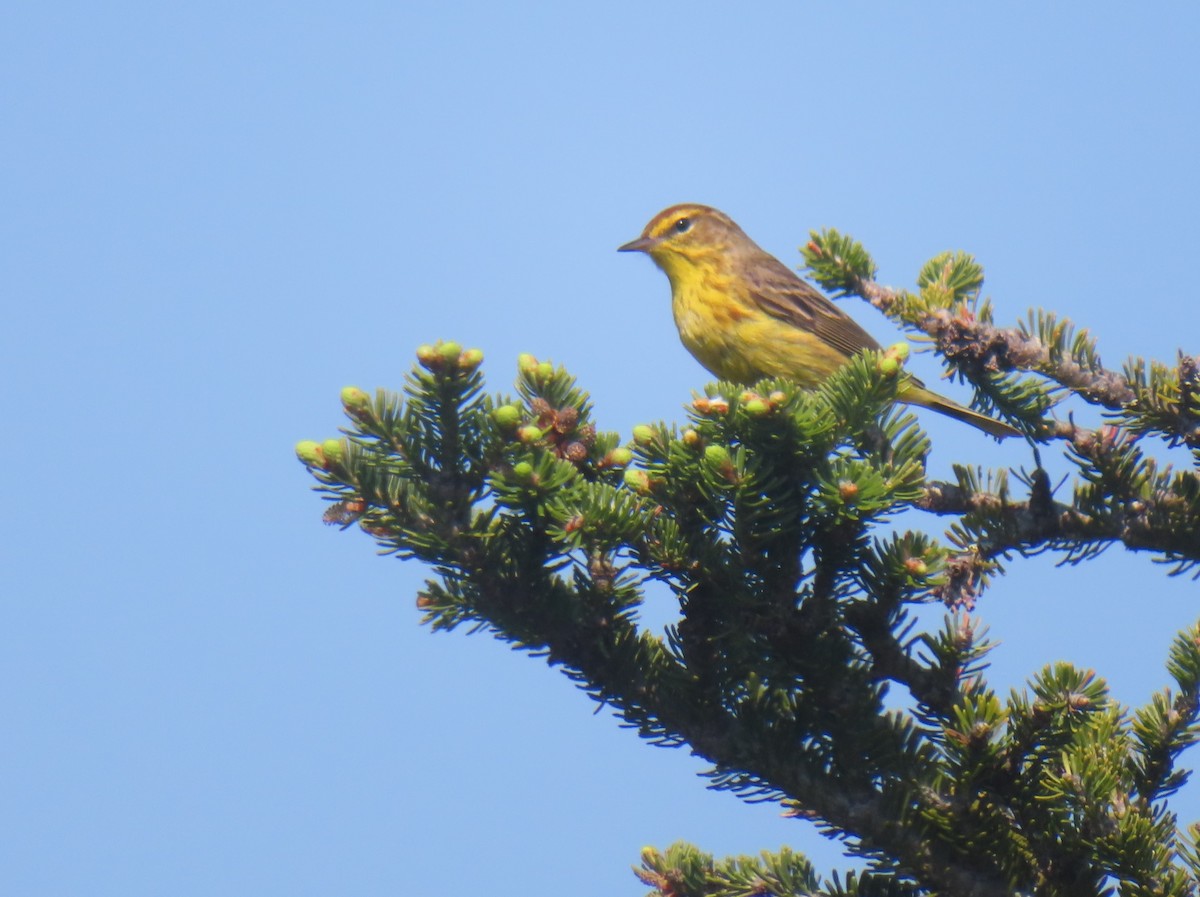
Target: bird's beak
[(641, 244)]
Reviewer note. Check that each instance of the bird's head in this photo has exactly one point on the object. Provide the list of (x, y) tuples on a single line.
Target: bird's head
[(687, 235)]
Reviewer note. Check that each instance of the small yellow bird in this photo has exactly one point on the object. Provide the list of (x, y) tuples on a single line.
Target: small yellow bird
[(745, 315)]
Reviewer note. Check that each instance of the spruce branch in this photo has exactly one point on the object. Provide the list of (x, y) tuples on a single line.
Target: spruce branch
[(1167, 401), (540, 552), (795, 617), (655, 692), (945, 311), (1123, 498), (683, 871), (1150, 398)]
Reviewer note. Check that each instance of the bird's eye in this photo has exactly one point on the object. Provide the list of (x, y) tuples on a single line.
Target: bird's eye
[(683, 225)]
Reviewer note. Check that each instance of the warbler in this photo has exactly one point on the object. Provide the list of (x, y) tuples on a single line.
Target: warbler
[(745, 315)]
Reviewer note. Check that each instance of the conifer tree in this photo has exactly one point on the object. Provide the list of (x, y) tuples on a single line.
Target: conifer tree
[(761, 513)]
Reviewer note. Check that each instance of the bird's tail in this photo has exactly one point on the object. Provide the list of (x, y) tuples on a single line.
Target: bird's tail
[(919, 395)]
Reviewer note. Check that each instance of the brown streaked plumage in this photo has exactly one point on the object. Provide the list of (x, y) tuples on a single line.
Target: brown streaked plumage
[(745, 315)]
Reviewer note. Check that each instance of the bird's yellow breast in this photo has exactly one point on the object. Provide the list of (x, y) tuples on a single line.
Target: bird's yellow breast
[(736, 340)]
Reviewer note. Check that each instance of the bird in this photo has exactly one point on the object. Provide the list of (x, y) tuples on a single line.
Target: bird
[(745, 315)]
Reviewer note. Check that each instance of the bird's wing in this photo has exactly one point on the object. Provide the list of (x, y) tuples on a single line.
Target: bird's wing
[(780, 293)]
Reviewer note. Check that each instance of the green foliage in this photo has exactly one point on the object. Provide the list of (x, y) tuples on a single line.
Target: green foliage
[(1166, 401), (950, 279), (838, 263), (684, 871), (1064, 344), (762, 514), (1120, 484), (946, 307)]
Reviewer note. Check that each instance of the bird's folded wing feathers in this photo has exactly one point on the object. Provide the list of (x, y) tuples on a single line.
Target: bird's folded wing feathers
[(780, 293)]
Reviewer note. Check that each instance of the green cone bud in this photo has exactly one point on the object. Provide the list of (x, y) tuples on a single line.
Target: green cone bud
[(619, 457), (507, 416), (470, 359), (889, 367), (643, 434), (355, 399), (716, 455), (449, 352), (530, 433), (522, 471), (756, 408), (637, 480), (310, 453), (526, 363), (899, 351), (334, 449), (545, 370), (429, 357)]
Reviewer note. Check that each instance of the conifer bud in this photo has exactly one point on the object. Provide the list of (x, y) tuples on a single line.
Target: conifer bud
[(522, 471), (526, 363), (545, 370), (575, 452), (618, 457), (716, 455), (756, 407), (692, 439), (643, 434), (916, 567), (565, 419), (529, 433), (638, 481), (334, 450), (848, 491), (710, 407), (449, 351), (354, 399), (429, 357), (717, 458), (651, 858), (507, 416), (310, 453), (470, 359)]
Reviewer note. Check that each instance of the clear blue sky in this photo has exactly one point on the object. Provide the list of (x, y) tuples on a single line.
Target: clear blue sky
[(216, 215)]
